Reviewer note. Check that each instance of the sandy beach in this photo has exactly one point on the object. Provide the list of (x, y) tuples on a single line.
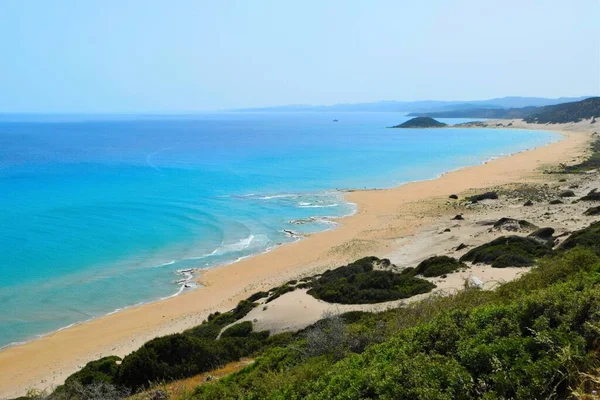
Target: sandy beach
[(390, 223)]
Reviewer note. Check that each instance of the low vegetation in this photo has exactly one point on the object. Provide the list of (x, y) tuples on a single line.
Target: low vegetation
[(505, 251), (438, 266), (360, 283), (590, 163), (554, 114), (566, 112), (533, 338), (592, 211), (588, 238)]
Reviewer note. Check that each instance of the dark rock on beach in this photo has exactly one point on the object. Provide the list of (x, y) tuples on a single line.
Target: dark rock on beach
[(484, 196), (461, 246), (593, 195), (567, 193)]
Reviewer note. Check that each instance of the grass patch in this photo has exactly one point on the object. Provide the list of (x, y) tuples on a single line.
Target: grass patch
[(591, 163)]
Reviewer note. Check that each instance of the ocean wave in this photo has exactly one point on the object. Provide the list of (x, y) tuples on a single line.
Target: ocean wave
[(240, 245), (310, 220), (278, 196), (165, 264), (311, 205)]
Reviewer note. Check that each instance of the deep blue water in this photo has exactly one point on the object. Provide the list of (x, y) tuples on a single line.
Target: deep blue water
[(98, 213)]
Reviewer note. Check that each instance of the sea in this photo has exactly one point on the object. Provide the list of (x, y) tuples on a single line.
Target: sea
[(102, 212)]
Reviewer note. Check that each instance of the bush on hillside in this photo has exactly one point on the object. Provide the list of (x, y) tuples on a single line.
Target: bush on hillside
[(592, 211), (102, 370), (529, 339), (523, 250), (242, 329), (359, 283), (588, 238), (438, 265), (215, 322)]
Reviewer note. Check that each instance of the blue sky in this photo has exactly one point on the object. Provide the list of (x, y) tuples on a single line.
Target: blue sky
[(181, 56)]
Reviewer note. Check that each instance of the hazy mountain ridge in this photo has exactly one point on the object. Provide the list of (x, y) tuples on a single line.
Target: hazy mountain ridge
[(557, 113), (422, 105)]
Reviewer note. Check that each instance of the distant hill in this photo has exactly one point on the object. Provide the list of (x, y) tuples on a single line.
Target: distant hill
[(422, 106), (502, 113), (567, 112), (421, 122), (553, 114)]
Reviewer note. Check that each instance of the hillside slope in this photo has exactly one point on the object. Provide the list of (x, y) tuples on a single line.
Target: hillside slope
[(566, 112), (553, 114)]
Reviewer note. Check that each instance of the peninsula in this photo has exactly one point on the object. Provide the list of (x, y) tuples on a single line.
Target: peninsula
[(421, 122)]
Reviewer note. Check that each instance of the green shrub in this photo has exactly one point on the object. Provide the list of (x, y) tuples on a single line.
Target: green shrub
[(588, 237), (215, 322), (512, 260), (169, 357), (438, 265), (102, 370), (359, 283), (592, 211), (257, 296), (522, 249), (280, 291), (528, 339), (242, 329)]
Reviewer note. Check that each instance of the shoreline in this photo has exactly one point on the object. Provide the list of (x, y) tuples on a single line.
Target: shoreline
[(194, 274), (381, 216)]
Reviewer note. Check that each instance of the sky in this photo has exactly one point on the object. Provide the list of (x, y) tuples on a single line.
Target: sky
[(70, 56)]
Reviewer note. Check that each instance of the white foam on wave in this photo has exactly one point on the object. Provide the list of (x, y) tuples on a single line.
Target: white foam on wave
[(310, 205), (277, 196), (240, 245), (165, 264), (232, 247)]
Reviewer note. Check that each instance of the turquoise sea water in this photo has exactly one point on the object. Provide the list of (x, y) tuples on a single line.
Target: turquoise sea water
[(102, 212)]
